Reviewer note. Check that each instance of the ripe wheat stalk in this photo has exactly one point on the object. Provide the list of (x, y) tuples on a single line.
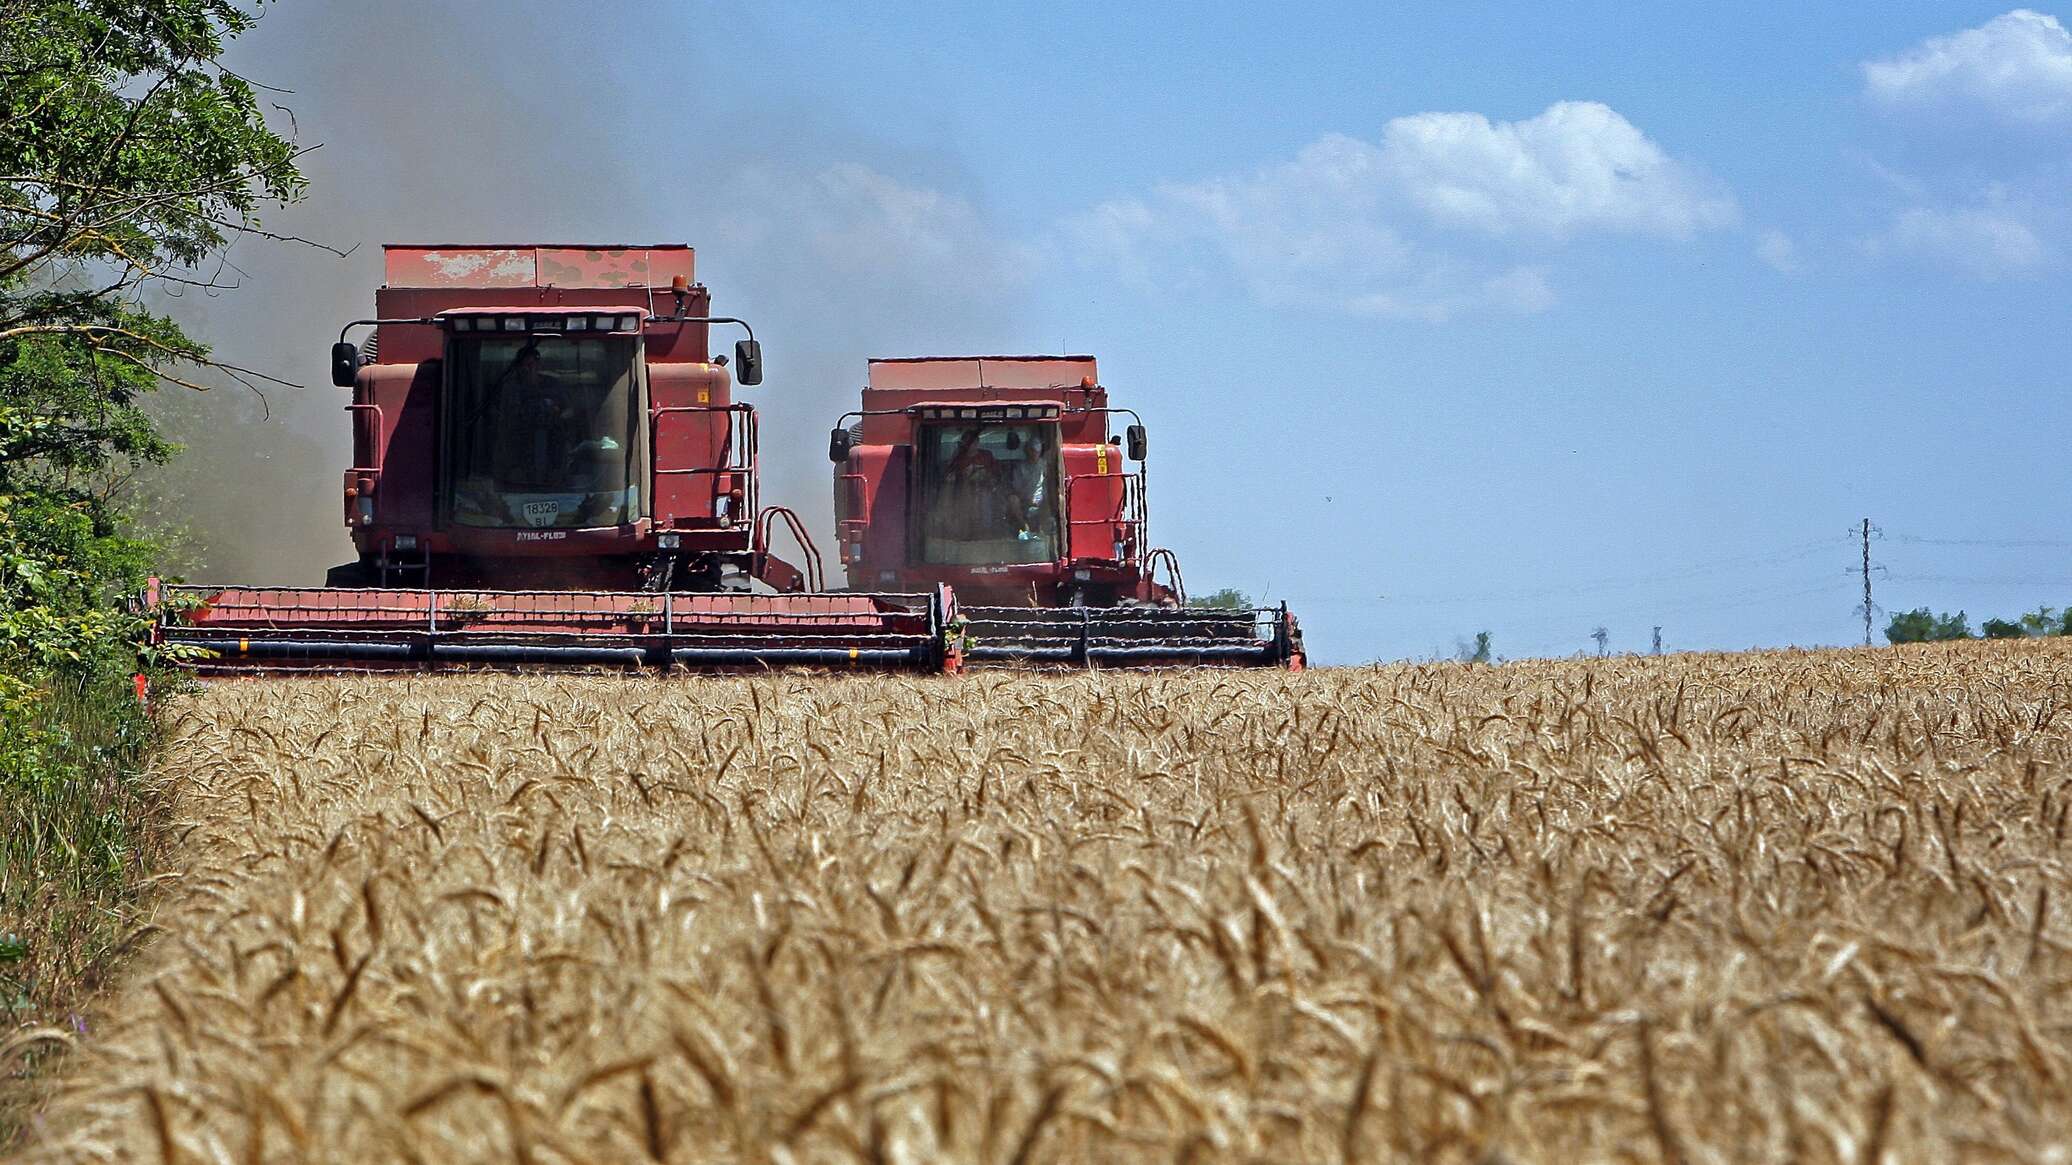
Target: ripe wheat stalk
[(1781, 907)]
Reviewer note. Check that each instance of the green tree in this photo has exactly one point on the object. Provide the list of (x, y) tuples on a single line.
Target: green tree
[(1476, 652), (129, 159), (1229, 598), (2003, 629), (1921, 625), (2045, 621)]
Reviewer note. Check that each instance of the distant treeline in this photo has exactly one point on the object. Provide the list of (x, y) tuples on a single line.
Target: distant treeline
[(1924, 626)]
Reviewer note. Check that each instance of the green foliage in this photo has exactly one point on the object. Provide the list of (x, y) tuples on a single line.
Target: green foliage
[(1923, 626), (71, 849), (2044, 621), (1476, 652), (128, 160), (123, 141), (1229, 599)]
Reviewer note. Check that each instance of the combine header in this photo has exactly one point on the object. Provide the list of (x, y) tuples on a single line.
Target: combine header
[(549, 469), (331, 629), (999, 477)]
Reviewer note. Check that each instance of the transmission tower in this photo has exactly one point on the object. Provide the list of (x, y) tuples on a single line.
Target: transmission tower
[(1866, 582)]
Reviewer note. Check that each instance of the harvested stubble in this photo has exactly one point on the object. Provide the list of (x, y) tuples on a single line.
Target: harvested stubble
[(1767, 907)]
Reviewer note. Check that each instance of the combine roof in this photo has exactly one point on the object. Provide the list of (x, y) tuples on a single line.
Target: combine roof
[(476, 265), (983, 372)]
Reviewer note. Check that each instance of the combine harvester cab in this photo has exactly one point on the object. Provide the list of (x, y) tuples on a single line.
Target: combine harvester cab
[(1000, 478), (550, 470)]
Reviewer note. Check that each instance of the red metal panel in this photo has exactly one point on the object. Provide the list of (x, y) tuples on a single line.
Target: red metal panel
[(551, 309), (405, 399), (1097, 484), (689, 441), (460, 266), (617, 267), (977, 372), (531, 265), (683, 384), (881, 498), (675, 343), (694, 441), (889, 428), (410, 343)]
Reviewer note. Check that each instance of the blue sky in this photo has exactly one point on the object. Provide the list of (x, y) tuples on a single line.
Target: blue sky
[(1510, 317)]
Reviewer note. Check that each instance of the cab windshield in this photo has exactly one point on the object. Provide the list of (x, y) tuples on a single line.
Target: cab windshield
[(990, 492), (545, 431)]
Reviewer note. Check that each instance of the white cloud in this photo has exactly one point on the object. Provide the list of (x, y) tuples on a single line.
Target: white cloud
[(2015, 67), (1776, 248), (1361, 227), (1577, 167), (1990, 242)]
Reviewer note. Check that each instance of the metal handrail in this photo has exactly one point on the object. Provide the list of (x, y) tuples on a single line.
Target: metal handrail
[(738, 452), (1131, 516), (1172, 563), (815, 574), (376, 444)]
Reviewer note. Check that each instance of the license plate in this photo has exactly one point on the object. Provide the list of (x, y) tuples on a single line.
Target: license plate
[(542, 513)]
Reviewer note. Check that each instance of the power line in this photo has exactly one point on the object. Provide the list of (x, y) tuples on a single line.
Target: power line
[(1541, 632), (2002, 543), (1710, 574), (1537, 641), (1591, 586), (1616, 605), (1976, 581)]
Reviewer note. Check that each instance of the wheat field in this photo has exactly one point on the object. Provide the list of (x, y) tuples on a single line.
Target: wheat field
[(1765, 907)]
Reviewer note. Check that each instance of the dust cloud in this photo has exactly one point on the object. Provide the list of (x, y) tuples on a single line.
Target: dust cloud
[(460, 123)]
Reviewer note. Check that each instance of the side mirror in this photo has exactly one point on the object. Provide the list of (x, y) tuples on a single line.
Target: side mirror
[(748, 362), (345, 363), (1138, 442), (838, 445)]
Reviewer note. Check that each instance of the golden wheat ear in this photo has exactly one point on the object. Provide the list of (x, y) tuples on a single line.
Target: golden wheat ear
[(1788, 906)]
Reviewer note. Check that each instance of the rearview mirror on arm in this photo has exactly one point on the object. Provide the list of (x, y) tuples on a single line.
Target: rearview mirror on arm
[(345, 363), (1137, 442), (748, 361), (838, 445)]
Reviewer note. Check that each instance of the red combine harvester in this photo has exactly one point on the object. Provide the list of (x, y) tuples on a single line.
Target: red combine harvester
[(1000, 477), (549, 469)]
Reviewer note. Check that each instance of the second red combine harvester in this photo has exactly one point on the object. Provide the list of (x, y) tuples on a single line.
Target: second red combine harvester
[(1003, 478), (550, 470)]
